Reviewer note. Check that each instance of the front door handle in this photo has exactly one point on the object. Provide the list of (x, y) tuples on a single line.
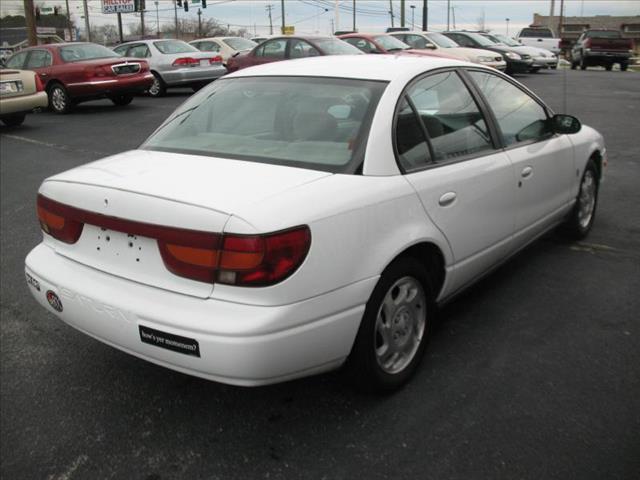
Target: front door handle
[(447, 199), (526, 172)]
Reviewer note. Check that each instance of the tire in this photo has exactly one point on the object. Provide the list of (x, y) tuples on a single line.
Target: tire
[(14, 120), (534, 69), (624, 66), (121, 100), (583, 63), (59, 100), (582, 216), (555, 67), (574, 65), (158, 88), (608, 67), (403, 327)]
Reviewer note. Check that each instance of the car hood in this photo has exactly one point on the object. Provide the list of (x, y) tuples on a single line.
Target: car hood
[(216, 183), (470, 53)]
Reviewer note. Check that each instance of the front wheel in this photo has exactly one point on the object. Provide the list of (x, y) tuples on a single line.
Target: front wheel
[(14, 120), (395, 328), (121, 100), (582, 216), (608, 67)]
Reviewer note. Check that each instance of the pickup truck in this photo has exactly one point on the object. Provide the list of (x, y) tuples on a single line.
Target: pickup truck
[(541, 37), (601, 47)]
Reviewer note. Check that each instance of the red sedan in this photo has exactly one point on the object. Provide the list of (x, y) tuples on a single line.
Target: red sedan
[(288, 48), (78, 72), (384, 43)]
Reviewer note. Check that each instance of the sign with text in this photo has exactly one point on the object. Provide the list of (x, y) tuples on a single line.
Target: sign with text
[(118, 6), (288, 30)]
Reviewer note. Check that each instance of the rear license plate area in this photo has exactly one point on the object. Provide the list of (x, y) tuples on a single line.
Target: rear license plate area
[(169, 341)]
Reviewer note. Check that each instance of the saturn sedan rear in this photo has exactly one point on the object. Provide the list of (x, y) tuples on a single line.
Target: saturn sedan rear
[(298, 216)]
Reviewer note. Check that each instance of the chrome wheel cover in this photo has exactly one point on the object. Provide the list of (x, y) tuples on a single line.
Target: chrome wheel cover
[(400, 325), (58, 99), (154, 89), (586, 199)]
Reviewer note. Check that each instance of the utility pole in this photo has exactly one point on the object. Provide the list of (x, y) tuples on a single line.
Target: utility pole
[(282, 10), (453, 14), (120, 36), (29, 15), (69, 22), (425, 16), (391, 12), (337, 14), (507, 26), (157, 20), (402, 13), (561, 19), (268, 8), (142, 7), (448, 14), (86, 20), (413, 17), (354, 15), (199, 22), (175, 14), (551, 13)]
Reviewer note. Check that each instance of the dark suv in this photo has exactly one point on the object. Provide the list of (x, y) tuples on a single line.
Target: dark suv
[(517, 62)]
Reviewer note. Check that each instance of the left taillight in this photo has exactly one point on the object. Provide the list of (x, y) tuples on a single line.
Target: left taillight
[(55, 219), (39, 85)]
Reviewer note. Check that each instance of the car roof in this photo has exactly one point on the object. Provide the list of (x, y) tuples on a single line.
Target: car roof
[(367, 67)]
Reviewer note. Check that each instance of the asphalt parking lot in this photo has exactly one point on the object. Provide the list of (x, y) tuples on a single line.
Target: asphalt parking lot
[(532, 374)]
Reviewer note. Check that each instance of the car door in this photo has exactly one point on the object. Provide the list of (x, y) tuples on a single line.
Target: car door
[(448, 152), (300, 49), (270, 51), (543, 162), (40, 61)]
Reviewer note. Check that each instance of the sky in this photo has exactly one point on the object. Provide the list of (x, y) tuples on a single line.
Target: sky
[(318, 16)]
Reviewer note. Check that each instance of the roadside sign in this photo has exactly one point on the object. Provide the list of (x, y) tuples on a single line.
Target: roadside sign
[(288, 30), (118, 6), (46, 10), (46, 30)]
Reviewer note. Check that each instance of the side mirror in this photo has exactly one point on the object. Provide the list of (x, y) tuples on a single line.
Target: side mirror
[(565, 124), (430, 46)]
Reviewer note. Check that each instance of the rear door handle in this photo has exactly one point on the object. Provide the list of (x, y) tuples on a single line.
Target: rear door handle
[(526, 172), (447, 199)]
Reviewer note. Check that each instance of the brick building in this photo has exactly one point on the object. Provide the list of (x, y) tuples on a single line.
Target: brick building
[(572, 27)]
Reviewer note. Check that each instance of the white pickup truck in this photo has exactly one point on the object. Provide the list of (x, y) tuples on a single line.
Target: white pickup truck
[(541, 37)]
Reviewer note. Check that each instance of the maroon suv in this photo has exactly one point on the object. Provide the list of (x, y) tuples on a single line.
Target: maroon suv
[(288, 48), (78, 72)]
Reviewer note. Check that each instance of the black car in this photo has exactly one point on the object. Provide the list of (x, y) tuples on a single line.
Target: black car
[(517, 62)]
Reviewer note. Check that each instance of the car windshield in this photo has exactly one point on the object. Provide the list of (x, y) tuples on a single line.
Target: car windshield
[(510, 42), (483, 41), (390, 43), (174, 46), (333, 46), (604, 34), (442, 41), (85, 51), (238, 43), (307, 122)]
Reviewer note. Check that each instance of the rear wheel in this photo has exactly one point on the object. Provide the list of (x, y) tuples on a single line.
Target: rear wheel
[(608, 67), (157, 88), (395, 328), (59, 101), (583, 63), (121, 100), (582, 215), (624, 66), (14, 120), (534, 69)]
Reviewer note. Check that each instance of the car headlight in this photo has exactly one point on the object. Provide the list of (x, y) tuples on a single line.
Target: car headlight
[(485, 59), (512, 56)]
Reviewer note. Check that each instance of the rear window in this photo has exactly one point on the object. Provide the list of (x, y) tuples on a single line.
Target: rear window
[(603, 34), (334, 46), (307, 122), (536, 32), (174, 46), (240, 43), (85, 51)]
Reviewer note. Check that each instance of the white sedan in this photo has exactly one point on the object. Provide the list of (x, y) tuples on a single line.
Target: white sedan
[(297, 216)]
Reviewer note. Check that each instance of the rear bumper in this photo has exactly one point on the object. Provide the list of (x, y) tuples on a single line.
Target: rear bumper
[(23, 103), (595, 56), (238, 344), (191, 75), (100, 87)]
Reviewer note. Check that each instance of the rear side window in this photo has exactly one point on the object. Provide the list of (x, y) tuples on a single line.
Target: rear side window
[(301, 49), (17, 61), (273, 49), (38, 59), (451, 117), (362, 44), (413, 150), (139, 51), (520, 117)]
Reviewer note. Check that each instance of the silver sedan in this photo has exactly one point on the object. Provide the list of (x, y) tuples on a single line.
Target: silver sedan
[(174, 63)]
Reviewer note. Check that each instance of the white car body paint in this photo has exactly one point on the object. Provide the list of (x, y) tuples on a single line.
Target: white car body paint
[(359, 224)]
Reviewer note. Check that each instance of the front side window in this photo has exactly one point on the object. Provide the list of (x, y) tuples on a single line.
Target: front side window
[(450, 115), (307, 122), (85, 51), (173, 46), (520, 117), (17, 61), (274, 49), (38, 59)]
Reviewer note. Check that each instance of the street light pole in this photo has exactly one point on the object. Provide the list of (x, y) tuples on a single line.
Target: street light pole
[(507, 26), (175, 14), (425, 16), (448, 15), (69, 22), (86, 19), (413, 17), (282, 11), (354, 15), (157, 20)]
